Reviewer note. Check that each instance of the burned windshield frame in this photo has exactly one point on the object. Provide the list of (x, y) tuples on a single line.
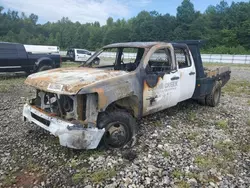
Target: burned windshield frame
[(118, 64)]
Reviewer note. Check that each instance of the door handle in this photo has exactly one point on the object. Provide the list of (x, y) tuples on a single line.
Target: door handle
[(175, 78), (192, 73)]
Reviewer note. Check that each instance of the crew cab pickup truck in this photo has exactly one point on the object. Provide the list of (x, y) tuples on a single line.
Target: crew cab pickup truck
[(79, 55), (90, 104), (14, 58)]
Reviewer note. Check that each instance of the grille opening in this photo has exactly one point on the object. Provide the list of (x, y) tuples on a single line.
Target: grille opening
[(40, 119)]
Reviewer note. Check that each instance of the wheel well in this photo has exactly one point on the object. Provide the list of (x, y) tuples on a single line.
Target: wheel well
[(130, 104), (45, 62)]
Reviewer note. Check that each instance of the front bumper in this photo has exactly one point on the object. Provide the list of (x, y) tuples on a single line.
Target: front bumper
[(70, 135)]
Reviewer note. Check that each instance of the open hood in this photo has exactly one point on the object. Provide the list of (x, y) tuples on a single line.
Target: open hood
[(70, 80)]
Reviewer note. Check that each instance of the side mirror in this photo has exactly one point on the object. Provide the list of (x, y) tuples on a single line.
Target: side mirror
[(89, 53)]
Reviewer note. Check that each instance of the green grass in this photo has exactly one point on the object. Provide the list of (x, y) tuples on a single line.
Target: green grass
[(219, 162), (72, 163), (191, 116), (102, 175), (248, 122), (157, 123), (95, 177), (177, 174), (222, 124), (192, 136), (226, 65), (182, 184), (226, 149), (6, 84), (237, 87), (70, 64), (8, 180), (166, 154), (203, 161), (78, 177)]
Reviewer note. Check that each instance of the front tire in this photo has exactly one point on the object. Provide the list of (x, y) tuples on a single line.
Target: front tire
[(213, 99), (119, 128)]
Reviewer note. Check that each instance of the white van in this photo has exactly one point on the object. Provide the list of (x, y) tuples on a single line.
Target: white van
[(41, 49)]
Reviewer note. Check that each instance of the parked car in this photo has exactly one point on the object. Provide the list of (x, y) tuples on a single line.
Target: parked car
[(78, 55), (14, 58), (85, 105)]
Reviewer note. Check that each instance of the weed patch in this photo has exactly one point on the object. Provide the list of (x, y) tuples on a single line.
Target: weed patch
[(222, 124)]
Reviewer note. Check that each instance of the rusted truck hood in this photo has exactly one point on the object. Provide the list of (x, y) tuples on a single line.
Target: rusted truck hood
[(70, 80)]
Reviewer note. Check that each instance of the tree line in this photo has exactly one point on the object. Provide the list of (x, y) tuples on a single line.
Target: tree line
[(224, 27)]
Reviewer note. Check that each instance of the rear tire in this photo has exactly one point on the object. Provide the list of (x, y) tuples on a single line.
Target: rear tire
[(119, 128), (44, 68), (213, 99)]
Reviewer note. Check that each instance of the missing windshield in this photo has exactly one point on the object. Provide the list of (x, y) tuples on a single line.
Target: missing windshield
[(126, 59)]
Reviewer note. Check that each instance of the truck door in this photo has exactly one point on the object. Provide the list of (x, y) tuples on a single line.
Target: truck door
[(161, 88), (81, 55), (187, 72), (9, 56)]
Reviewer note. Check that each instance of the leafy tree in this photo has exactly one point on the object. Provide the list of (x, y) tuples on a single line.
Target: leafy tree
[(226, 27)]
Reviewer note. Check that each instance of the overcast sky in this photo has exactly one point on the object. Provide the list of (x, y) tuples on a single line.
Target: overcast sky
[(97, 10)]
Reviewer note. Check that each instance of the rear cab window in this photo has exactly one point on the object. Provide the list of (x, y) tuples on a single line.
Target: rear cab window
[(182, 58), (8, 50)]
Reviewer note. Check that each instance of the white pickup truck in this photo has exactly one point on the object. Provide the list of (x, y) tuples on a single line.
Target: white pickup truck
[(78, 55), (90, 104)]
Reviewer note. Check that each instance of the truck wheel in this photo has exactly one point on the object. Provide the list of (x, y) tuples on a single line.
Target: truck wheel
[(96, 61), (44, 68), (213, 99), (119, 126)]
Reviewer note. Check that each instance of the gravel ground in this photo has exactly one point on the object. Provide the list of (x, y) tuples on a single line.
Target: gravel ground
[(185, 146)]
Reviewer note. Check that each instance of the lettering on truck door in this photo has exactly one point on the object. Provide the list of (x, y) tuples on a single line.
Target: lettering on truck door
[(162, 83)]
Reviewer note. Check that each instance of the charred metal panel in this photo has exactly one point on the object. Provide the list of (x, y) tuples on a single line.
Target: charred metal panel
[(68, 81)]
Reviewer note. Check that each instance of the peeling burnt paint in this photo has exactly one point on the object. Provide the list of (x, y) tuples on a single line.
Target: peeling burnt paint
[(70, 80)]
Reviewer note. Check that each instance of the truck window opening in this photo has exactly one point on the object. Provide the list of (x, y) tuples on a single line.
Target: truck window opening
[(160, 61), (126, 59), (182, 58)]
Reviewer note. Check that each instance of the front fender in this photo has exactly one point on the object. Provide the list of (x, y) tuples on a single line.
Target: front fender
[(114, 90)]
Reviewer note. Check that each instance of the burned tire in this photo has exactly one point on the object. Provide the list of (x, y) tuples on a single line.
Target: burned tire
[(119, 128), (213, 99), (44, 68)]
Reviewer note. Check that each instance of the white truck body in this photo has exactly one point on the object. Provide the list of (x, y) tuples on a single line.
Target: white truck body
[(82, 55), (41, 49)]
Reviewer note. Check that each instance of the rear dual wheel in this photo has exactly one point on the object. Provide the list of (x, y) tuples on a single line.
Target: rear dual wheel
[(212, 99)]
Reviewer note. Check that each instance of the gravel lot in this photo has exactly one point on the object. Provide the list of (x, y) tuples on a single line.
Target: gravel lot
[(186, 146)]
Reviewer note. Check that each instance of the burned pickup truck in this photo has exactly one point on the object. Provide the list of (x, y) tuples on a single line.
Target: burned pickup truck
[(93, 104)]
